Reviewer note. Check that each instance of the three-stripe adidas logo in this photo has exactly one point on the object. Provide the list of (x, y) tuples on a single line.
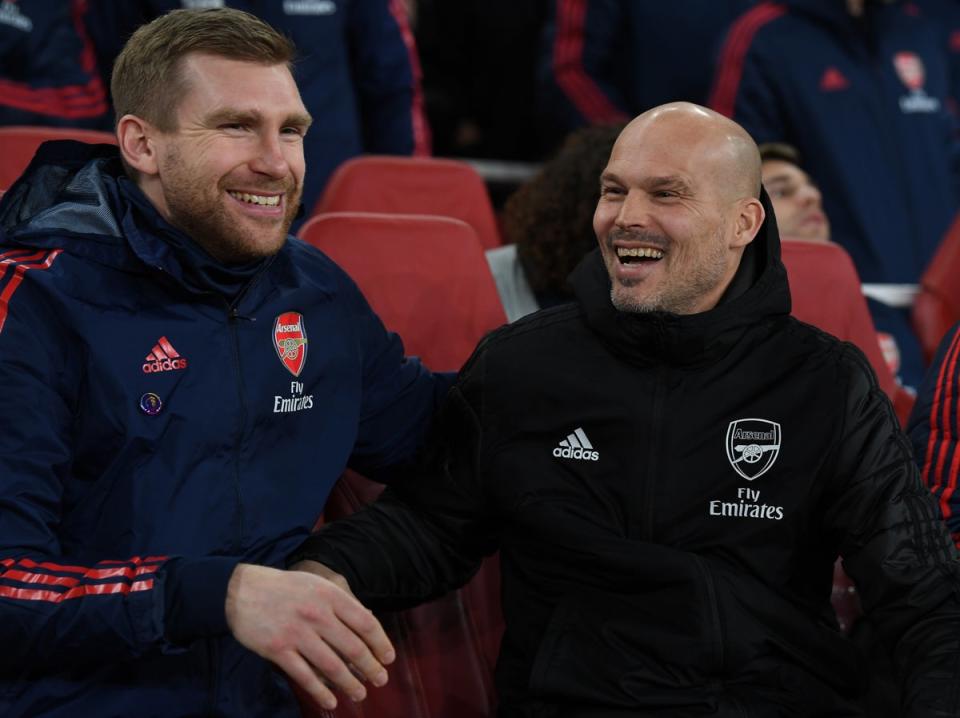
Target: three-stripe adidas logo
[(576, 446), (163, 357)]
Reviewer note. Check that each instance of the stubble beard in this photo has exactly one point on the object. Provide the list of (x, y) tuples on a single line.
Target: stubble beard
[(205, 219), (679, 295)]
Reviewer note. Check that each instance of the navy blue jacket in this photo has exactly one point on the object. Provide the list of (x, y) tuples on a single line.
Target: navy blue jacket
[(604, 61), (49, 74), (866, 104), (934, 429), (357, 70), (153, 434)]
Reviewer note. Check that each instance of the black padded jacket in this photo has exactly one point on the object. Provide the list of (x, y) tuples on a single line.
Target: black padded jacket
[(668, 494)]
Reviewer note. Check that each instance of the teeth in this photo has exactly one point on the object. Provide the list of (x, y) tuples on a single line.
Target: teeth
[(266, 201), (648, 252)]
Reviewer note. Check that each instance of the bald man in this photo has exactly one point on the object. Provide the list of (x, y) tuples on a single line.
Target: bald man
[(669, 467)]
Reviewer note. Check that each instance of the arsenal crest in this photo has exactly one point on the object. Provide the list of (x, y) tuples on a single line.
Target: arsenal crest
[(909, 67), (752, 446), (290, 341)]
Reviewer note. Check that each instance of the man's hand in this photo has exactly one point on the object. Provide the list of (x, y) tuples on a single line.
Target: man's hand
[(321, 570), (310, 627)]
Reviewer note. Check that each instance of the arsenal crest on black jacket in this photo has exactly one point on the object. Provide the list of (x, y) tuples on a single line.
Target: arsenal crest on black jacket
[(669, 494)]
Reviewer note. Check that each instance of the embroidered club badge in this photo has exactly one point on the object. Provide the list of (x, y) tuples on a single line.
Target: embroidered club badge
[(752, 446), (290, 341)]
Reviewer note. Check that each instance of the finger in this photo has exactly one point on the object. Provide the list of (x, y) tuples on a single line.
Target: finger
[(361, 622), (299, 671), (354, 651), (325, 661)]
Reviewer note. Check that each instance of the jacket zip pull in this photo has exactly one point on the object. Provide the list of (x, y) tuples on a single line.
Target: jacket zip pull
[(234, 315)]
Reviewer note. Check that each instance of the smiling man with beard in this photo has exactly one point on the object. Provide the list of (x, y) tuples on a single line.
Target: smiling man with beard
[(669, 467), (183, 383)]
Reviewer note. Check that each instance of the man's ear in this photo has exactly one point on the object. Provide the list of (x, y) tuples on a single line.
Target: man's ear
[(748, 222), (136, 138)]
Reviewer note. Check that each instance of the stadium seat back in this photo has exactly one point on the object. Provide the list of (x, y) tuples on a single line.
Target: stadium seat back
[(937, 306), (412, 185), (18, 144), (428, 280), (825, 291), (426, 277)]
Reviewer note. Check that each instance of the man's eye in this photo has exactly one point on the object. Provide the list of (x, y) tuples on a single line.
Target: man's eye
[(237, 126), (610, 190)]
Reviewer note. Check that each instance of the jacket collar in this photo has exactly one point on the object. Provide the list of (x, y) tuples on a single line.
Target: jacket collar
[(757, 294), (77, 197)]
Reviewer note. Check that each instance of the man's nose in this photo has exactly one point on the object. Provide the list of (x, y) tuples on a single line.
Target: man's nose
[(634, 211), (270, 159), (810, 194)]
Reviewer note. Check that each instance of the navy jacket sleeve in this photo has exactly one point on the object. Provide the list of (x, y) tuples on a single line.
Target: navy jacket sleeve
[(400, 398), (896, 549), (57, 608), (933, 429), (386, 72), (577, 67), (741, 88)]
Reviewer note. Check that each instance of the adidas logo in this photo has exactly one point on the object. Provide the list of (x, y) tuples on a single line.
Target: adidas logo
[(576, 446), (163, 357)]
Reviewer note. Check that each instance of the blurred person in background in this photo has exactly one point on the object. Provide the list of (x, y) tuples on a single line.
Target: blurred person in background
[(606, 61), (49, 71), (794, 195), (548, 225), (862, 89)]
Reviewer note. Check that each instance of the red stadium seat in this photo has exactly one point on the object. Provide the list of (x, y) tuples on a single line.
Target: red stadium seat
[(428, 280), (19, 143), (426, 277), (937, 306), (412, 185), (825, 288)]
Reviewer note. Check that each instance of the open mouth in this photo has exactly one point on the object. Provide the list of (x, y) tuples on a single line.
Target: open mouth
[(638, 255), (262, 200)]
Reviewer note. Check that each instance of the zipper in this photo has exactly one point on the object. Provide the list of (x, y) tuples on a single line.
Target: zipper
[(718, 648), (234, 316), (646, 497)]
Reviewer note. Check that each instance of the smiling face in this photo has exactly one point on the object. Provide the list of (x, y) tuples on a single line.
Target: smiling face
[(675, 210), (796, 202), (231, 174)]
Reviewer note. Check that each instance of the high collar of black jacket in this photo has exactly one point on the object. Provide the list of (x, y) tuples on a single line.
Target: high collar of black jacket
[(757, 295)]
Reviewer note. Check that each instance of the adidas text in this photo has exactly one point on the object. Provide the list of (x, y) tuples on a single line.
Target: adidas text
[(578, 453), (165, 365)]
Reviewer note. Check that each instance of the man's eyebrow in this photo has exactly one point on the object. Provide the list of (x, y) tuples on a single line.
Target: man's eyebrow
[(674, 182), (251, 117), (610, 177), (777, 179)]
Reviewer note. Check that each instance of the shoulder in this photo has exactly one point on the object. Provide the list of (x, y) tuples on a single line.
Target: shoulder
[(532, 339)]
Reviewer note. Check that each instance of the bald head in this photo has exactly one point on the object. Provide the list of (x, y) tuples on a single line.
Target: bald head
[(678, 206), (723, 151)]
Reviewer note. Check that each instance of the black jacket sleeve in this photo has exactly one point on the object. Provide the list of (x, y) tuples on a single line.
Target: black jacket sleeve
[(897, 550), (426, 535)]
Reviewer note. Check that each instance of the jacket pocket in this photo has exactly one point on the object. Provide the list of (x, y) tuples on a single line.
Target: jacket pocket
[(629, 651)]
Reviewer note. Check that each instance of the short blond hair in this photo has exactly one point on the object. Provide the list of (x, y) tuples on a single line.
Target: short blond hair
[(148, 80)]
